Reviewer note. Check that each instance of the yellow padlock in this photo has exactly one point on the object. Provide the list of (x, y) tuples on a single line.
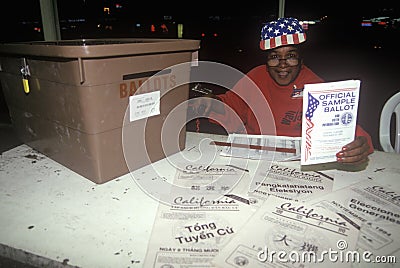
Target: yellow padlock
[(25, 72), (25, 82)]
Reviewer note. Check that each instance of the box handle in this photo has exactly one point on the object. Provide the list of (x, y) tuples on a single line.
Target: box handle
[(81, 71)]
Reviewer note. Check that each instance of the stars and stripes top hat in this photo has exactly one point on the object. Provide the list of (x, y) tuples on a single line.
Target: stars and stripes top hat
[(281, 32)]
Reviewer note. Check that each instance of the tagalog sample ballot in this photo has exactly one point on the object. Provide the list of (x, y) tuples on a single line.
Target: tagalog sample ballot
[(329, 119)]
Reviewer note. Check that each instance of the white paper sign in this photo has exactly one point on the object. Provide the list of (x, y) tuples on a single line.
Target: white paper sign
[(329, 119), (144, 105)]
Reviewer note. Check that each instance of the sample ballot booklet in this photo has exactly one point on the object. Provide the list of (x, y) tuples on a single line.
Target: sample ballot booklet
[(286, 233), (329, 119)]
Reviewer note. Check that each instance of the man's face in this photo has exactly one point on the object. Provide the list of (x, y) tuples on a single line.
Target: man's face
[(284, 64)]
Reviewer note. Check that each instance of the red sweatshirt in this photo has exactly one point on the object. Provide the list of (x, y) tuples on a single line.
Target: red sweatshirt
[(268, 100)]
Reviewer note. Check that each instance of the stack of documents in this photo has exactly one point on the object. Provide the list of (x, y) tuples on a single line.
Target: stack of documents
[(268, 147)]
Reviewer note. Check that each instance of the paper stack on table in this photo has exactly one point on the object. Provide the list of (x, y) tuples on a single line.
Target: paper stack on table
[(268, 147)]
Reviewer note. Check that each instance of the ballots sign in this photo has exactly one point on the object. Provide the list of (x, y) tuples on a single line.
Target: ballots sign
[(329, 119)]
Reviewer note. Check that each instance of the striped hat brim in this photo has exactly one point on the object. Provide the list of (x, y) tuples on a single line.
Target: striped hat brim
[(289, 39)]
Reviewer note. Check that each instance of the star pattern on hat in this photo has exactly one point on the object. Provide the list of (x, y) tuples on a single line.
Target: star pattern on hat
[(281, 27)]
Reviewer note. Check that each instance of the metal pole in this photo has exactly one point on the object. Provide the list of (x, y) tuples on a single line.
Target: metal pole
[(281, 9), (51, 25)]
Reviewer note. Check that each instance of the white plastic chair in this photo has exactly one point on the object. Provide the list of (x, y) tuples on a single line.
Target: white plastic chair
[(392, 106)]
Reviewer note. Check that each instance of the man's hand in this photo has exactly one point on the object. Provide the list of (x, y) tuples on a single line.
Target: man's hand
[(354, 153)]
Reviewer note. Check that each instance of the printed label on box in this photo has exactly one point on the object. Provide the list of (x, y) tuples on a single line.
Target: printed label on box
[(144, 105)]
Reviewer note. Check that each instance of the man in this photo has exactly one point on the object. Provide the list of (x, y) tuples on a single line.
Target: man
[(280, 81)]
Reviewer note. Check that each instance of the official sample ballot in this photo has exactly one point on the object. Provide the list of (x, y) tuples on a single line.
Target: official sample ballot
[(329, 119)]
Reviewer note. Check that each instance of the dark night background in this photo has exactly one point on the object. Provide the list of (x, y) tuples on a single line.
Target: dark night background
[(337, 48)]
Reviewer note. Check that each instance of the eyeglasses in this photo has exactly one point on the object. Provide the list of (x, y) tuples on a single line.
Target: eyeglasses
[(291, 61)]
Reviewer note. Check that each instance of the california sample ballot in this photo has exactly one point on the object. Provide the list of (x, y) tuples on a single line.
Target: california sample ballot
[(329, 119), (285, 233)]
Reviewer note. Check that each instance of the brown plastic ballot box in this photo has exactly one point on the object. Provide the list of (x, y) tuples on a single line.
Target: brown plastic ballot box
[(70, 100)]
